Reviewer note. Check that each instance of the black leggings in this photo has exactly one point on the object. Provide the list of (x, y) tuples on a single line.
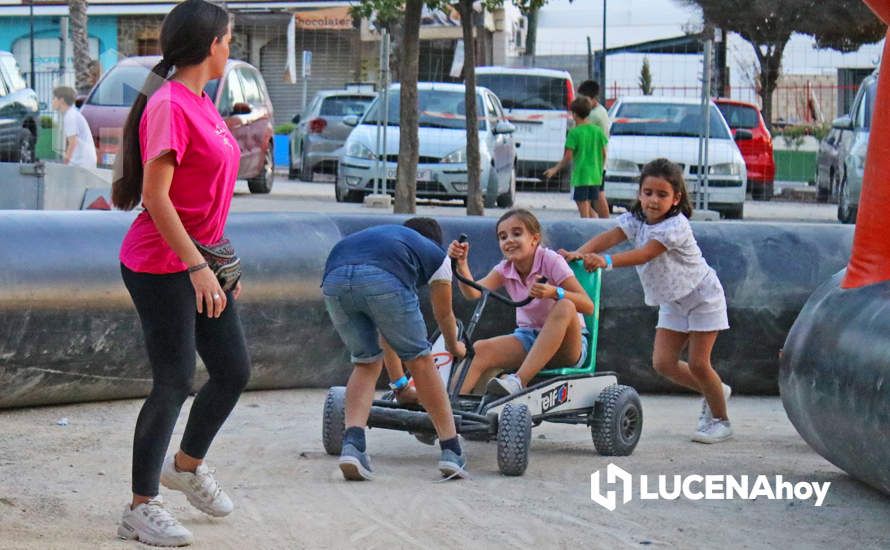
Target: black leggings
[(173, 331)]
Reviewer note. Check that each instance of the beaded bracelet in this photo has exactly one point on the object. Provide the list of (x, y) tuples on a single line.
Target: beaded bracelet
[(198, 267)]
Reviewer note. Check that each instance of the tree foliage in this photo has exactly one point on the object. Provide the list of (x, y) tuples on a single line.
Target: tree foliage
[(646, 78), (768, 25)]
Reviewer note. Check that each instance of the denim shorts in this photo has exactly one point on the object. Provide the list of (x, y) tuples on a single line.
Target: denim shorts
[(702, 310), (527, 337), (362, 300)]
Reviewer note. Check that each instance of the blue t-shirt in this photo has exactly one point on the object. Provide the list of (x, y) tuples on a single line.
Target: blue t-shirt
[(399, 250)]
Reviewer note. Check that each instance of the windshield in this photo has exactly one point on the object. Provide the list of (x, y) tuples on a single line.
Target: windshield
[(345, 105), (519, 91), (739, 116), (121, 85), (665, 119), (438, 109)]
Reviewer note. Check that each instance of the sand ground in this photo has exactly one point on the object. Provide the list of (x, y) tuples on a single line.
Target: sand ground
[(65, 486)]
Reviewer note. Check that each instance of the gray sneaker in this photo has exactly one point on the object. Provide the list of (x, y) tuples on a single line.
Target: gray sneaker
[(715, 432), (200, 488), (503, 386), (453, 465), (355, 465), (150, 523), (706, 415)]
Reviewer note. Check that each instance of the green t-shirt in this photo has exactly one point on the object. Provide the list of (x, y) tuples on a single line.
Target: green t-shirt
[(587, 142)]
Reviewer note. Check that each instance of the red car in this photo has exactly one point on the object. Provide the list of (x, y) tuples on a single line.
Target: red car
[(755, 144), (240, 96)]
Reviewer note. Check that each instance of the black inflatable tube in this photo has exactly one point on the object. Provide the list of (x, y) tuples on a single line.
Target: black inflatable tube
[(835, 378), (69, 333)]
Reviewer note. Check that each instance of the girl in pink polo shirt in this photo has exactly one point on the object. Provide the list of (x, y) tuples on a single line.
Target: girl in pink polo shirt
[(180, 161), (550, 329)]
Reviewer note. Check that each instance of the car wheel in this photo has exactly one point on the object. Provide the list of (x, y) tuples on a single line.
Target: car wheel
[(506, 200), (341, 194), (306, 173), (735, 213), (763, 193), (24, 147), (292, 173), (263, 182), (845, 213), (823, 194)]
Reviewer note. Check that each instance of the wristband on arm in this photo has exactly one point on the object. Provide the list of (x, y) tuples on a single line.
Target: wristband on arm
[(608, 258)]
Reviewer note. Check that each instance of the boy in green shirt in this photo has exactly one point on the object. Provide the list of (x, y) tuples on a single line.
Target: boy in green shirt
[(586, 150)]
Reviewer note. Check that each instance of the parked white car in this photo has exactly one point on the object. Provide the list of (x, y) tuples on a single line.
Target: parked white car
[(648, 127), (537, 103), (442, 168)]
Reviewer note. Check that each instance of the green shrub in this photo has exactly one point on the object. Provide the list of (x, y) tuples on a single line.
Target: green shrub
[(46, 121), (285, 128)]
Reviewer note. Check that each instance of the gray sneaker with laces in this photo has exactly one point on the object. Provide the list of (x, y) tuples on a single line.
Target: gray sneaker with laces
[(503, 386), (715, 432), (200, 488), (706, 415), (355, 464), (453, 465), (150, 523)]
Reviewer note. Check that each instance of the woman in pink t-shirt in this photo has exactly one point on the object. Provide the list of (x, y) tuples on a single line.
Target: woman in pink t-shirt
[(550, 328), (181, 161)]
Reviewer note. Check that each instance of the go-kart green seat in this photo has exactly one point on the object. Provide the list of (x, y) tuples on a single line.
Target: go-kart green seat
[(591, 282)]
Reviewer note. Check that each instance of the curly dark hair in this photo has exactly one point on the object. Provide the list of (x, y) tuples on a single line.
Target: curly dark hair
[(673, 174)]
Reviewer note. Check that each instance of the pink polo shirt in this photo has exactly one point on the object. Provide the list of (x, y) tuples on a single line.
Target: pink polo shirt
[(207, 158), (547, 263)]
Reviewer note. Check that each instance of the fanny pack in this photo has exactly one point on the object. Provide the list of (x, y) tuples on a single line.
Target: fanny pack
[(221, 259)]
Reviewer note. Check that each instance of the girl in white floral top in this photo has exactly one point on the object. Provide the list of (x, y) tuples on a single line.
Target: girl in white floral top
[(675, 277)]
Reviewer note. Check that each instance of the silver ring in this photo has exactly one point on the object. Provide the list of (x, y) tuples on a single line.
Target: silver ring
[(216, 296)]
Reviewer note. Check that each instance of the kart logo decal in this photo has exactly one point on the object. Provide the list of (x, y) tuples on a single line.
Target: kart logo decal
[(553, 398)]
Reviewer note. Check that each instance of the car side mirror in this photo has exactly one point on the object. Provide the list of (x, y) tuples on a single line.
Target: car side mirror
[(741, 134), (79, 101), (296, 119), (504, 127), (350, 120), (843, 123), (241, 109)]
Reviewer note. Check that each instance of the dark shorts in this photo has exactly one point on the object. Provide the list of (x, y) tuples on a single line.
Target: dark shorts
[(586, 193)]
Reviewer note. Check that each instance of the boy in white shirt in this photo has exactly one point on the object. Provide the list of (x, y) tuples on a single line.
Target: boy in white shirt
[(79, 147)]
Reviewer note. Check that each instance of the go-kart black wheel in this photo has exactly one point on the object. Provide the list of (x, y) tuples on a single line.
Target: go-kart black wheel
[(333, 424), (514, 439), (617, 421)]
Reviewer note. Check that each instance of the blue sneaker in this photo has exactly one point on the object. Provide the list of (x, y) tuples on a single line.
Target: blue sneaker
[(355, 465), (453, 465)]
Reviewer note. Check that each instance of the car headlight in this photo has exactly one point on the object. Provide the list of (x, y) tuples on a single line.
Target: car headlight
[(621, 165), (359, 150), (455, 157), (724, 169)]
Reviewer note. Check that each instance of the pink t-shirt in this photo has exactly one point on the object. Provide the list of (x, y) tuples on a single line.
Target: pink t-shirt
[(547, 263), (207, 158)]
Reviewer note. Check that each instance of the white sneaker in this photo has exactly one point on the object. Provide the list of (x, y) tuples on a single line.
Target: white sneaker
[(150, 523), (505, 385), (715, 432), (706, 415), (200, 488)]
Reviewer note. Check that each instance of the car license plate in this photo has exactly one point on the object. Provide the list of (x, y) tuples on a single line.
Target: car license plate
[(108, 158), (422, 175)]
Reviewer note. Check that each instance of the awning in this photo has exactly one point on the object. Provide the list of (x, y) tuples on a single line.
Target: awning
[(335, 18)]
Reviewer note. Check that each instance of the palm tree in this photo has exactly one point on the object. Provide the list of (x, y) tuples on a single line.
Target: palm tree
[(78, 13)]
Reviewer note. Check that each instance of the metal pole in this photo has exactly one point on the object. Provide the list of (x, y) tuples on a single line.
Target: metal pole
[(381, 80), (603, 61), (385, 112), (705, 134), (589, 60), (31, 18)]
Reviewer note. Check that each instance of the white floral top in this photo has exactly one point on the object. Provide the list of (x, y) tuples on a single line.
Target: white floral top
[(676, 272)]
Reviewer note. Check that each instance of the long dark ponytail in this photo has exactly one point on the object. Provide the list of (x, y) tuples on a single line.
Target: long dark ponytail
[(187, 33)]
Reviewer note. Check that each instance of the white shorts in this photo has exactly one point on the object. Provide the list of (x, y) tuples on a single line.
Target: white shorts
[(702, 310)]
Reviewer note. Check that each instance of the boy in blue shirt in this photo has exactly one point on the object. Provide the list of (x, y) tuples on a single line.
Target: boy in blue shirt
[(370, 284)]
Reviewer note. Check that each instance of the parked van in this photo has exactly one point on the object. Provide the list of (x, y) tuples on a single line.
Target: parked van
[(537, 102)]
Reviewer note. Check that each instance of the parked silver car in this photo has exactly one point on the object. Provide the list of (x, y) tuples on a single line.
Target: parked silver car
[(859, 124), (320, 132), (442, 169)]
